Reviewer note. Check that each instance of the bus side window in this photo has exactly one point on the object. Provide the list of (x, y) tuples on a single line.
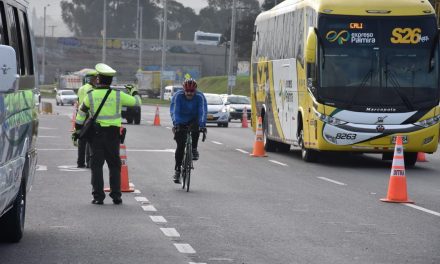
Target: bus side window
[(27, 48), (3, 28), (15, 38)]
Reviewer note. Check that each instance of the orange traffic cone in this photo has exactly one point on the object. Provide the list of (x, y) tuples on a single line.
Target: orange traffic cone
[(259, 144), (421, 157), (156, 117), (397, 185), (125, 183), (244, 121)]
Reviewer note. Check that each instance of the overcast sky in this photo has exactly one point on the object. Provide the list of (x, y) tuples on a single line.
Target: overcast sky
[(54, 11)]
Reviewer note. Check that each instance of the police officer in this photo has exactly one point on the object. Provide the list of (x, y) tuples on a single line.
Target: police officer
[(105, 142), (83, 147)]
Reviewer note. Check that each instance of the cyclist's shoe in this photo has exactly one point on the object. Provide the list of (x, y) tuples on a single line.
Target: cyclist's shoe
[(195, 153), (176, 177)]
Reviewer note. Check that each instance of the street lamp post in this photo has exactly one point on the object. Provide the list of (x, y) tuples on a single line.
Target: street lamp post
[(140, 38), (231, 49), (104, 32), (43, 61), (164, 44)]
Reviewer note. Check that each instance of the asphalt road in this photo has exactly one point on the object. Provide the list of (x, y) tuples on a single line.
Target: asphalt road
[(240, 209)]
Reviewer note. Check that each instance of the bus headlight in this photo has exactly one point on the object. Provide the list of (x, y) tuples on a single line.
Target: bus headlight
[(329, 119), (428, 122)]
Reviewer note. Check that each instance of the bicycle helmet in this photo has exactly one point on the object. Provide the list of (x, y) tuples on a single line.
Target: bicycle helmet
[(189, 85)]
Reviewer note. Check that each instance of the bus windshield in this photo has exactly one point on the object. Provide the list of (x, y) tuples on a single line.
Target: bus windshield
[(370, 62)]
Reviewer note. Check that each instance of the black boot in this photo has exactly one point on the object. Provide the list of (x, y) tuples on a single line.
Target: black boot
[(176, 177), (195, 153)]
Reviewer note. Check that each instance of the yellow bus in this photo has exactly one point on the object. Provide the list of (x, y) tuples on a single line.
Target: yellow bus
[(343, 75)]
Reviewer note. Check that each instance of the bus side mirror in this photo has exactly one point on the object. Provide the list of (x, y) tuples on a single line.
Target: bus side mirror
[(8, 69), (310, 51)]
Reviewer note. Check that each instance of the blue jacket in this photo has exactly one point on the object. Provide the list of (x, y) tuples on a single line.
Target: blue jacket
[(183, 111)]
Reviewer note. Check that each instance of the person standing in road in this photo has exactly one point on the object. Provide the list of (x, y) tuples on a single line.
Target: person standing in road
[(83, 147), (187, 107), (105, 142)]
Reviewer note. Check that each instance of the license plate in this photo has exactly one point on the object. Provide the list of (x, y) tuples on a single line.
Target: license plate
[(404, 139), (210, 117)]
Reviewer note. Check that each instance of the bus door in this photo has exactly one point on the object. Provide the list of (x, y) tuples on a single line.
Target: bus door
[(286, 96)]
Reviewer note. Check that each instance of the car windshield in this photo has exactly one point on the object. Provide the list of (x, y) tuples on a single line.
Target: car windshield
[(384, 62), (213, 100), (68, 93), (238, 100)]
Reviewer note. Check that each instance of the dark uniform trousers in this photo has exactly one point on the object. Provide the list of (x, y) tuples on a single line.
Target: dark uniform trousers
[(83, 153), (105, 147), (180, 138)]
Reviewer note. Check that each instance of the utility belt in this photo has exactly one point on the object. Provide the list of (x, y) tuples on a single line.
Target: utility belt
[(112, 130)]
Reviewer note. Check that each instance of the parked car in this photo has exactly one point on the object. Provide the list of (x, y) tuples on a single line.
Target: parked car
[(236, 105), (217, 110), (66, 97), (170, 90), (130, 113)]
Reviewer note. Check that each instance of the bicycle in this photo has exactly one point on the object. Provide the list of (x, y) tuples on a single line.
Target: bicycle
[(187, 163)]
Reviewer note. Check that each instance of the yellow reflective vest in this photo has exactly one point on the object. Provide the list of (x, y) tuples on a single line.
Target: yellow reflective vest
[(110, 114), (82, 91)]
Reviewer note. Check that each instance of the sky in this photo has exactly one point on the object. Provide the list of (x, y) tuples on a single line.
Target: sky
[(53, 12)]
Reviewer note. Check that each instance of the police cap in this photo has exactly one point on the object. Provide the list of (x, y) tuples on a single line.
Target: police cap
[(105, 70)]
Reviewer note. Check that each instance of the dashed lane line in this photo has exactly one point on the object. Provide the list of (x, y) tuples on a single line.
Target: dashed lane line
[(242, 151), (217, 143), (158, 219), (170, 232), (141, 199), (149, 208), (184, 248), (332, 181), (279, 163), (422, 209), (41, 168)]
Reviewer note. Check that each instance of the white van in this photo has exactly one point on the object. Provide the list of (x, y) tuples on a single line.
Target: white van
[(18, 117), (170, 90)]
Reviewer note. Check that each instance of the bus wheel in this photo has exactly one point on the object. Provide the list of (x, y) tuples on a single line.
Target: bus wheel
[(269, 145), (308, 155), (410, 159)]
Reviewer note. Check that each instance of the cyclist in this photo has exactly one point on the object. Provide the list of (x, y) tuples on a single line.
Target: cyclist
[(188, 107)]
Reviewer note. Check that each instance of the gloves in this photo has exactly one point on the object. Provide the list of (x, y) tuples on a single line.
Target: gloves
[(203, 130), (75, 136)]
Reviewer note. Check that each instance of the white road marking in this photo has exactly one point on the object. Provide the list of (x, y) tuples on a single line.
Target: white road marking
[(152, 150), (170, 232), (422, 209), (41, 168), (149, 208), (333, 181), (57, 149), (222, 259), (196, 263), (70, 168), (242, 151), (216, 142), (279, 163), (131, 185), (184, 248), (48, 136), (158, 219), (168, 127), (137, 191), (141, 199)]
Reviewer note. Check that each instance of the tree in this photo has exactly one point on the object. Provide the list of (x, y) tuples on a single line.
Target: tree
[(268, 4), (182, 21), (84, 17), (247, 11)]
